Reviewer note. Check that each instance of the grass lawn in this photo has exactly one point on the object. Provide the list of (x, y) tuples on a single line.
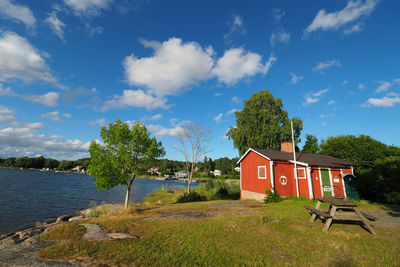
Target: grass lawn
[(231, 233)]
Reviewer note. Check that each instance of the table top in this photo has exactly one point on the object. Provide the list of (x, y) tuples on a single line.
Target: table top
[(337, 201)]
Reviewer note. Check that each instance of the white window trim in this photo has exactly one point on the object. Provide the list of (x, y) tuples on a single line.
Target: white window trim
[(258, 172), (305, 174)]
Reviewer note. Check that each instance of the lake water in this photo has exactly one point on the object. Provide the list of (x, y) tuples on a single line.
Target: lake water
[(27, 197)]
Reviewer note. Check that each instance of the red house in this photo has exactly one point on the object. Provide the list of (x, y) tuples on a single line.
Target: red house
[(317, 175)]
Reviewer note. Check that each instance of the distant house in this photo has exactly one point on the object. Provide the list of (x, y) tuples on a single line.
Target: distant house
[(217, 172), (180, 174), (154, 171), (77, 168), (317, 175)]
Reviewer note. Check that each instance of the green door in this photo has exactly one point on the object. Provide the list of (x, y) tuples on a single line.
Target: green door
[(326, 183), (351, 187)]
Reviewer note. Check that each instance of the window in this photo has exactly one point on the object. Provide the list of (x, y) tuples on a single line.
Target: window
[(262, 172), (301, 173)]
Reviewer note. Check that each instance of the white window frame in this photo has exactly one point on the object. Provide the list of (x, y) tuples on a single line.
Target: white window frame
[(258, 172), (305, 174)]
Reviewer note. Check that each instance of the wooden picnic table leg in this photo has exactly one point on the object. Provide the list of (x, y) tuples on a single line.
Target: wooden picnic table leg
[(328, 222), (365, 221), (314, 216)]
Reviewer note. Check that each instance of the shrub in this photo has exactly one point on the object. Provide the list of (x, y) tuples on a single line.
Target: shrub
[(193, 196), (271, 196), (94, 211)]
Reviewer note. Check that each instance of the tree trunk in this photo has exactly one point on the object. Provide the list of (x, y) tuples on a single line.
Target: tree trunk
[(189, 182), (128, 191)]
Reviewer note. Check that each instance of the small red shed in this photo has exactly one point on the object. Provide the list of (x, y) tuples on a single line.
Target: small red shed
[(317, 175)]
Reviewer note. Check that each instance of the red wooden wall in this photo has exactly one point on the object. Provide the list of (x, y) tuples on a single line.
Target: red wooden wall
[(249, 172)]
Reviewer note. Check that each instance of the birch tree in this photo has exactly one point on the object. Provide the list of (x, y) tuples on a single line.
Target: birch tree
[(124, 154), (192, 143)]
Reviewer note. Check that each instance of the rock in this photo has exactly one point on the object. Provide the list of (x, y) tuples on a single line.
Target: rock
[(50, 220), (118, 236), (4, 236), (63, 218), (75, 218), (94, 232)]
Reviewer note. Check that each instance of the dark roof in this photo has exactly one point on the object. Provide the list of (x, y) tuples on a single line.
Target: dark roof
[(319, 160)]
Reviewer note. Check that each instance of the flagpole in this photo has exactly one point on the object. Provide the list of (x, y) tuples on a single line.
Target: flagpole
[(294, 160)]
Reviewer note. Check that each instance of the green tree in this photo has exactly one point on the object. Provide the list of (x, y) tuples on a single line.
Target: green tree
[(311, 145), (263, 123), (125, 154)]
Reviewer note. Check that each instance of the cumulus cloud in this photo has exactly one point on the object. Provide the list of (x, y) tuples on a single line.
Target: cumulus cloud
[(232, 111), (6, 91), (331, 102), (17, 12), (335, 20), (295, 78), (136, 98), (385, 102), (56, 25), (353, 29), (49, 99), (20, 140), (235, 26), (278, 14), (52, 115), (235, 100), (280, 36), (237, 63), (321, 66), (160, 131), (99, 122), (155, 117), (173, 66), (88, 7), (384, 85), (6, 114), (20, 60), (218, 118), (312, 98), (30, 125)]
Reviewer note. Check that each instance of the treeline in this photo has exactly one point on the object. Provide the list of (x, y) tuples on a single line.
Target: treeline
[(377, 167), (203, 168), (42, 162)]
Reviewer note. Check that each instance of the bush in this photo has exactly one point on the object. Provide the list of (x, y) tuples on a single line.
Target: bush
[(193, 196), (219, 189), (271, 196)]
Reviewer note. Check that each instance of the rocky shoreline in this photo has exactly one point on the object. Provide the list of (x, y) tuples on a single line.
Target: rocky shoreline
[(21, 248)]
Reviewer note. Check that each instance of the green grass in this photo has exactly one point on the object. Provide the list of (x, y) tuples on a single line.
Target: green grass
[(65, 231), (256, 234)]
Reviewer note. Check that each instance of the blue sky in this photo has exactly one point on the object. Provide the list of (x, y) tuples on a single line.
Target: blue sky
[(68, 67)]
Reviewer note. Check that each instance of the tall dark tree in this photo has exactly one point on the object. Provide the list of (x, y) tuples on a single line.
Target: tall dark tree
[(263, 123), (311, 145)]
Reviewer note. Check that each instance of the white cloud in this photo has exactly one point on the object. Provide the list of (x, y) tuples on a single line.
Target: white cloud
[(312, 98), (218, 94), (88, 7), (218, 118), (278, 14), (353, 29), (333, 21), (361, 86), (93, 30), (387, 85), (52, 115), (6, 114), (295, 79), (345, 82), (56, 24), (236, 26), (331, 102), (67, 115), (136, 98), (174, 66), (17, 12), (280, 36), (100, 122), (30, 125), (155, 117), (235, 100), (321, 66), (160, 131), (6, 91), (237, 63), (49, 99), (19, 59), (232, 111), (21, 140), (385, 102)]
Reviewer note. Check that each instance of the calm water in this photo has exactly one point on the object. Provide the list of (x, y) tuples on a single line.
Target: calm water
[(30, 196)]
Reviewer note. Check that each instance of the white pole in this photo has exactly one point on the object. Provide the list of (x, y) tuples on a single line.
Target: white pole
[(294, 159)]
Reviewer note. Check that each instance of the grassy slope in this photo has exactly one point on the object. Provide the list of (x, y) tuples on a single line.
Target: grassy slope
[(256, 234)]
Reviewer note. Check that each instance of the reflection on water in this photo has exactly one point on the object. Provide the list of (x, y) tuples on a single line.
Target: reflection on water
[(30, 196)]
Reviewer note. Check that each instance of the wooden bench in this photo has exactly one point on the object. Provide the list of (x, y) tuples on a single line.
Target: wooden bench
[(318, 212)]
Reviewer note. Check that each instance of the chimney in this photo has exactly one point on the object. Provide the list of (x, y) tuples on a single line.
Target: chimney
[(287, 147)]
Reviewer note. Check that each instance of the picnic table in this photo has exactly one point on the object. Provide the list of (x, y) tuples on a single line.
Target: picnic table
[(348, 212)]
